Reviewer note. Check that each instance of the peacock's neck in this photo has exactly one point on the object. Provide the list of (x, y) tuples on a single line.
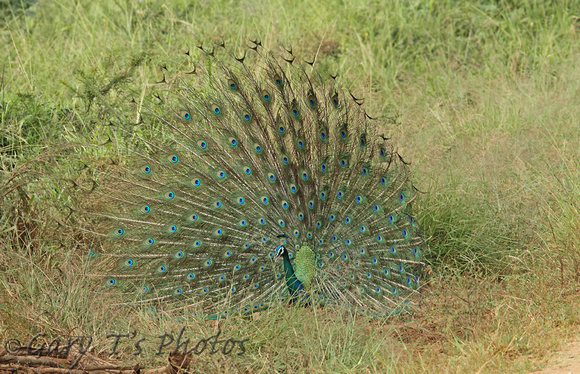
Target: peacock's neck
[(293, 284)]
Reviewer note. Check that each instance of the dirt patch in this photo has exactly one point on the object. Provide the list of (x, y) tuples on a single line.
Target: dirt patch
[(564, 361)]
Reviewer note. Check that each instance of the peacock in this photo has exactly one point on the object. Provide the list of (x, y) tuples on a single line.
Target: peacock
[(259, 181)]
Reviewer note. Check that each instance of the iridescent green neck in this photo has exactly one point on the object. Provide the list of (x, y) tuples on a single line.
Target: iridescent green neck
[(293, 284)]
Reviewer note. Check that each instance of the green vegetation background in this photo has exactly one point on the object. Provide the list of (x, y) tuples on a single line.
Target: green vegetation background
[(483, 98)]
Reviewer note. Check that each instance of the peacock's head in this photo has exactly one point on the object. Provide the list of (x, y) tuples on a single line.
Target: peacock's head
[(280, 252)]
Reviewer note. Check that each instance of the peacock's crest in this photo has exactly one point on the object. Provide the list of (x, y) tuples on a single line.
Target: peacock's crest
[(249, 154)]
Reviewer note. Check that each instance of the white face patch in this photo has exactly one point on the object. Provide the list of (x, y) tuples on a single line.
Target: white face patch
[(280, 250)]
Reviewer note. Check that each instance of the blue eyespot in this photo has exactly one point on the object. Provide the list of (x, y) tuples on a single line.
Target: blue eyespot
[(222, 174), (233, 141), (186, 115), (241, 200), (343, 134), (285, 160), (150, 241), (196, 182), (197, 243), (120, 232), (217, 110), (282, 129), (322, 135), (248, 171), (174, 159), (266, 97), (246, 117), (295, 112)]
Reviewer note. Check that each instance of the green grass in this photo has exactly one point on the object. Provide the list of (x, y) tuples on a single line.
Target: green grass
[(484, 101)]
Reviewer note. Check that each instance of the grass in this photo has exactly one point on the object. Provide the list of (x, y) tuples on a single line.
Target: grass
[(484, 100)]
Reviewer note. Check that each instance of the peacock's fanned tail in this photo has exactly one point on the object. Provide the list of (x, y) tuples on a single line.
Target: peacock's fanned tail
[(246, 149)]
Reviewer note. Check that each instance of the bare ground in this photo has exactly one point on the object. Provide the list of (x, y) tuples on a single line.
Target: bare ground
[(565, 361)]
